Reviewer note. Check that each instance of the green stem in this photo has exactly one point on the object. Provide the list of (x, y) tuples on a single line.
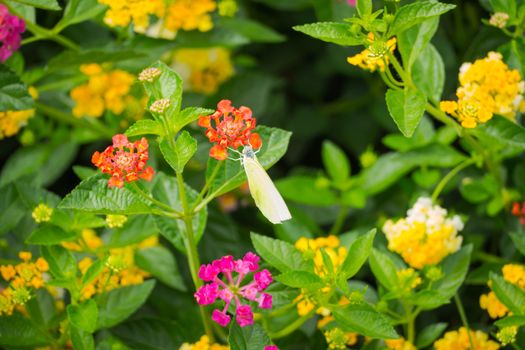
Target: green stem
[(464, 319), (207, 185), (387, 81), (442, 117), (291, 327), (441, 185), (191, 251), (404, 76), (515, 346), (339, 221), (391, 76)]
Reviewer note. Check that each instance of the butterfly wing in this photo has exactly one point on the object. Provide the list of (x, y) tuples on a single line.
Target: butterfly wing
[(265, 194)]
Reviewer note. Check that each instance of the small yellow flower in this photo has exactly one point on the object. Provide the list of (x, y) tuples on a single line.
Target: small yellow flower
[(122, 12), (227, 8), (42, 213), (160, 106), (12, 121), (499, 19), (116, 221), (408, 278), (399, 344), (507, 335), (25, 256), (8, 272), (189, 15), (149, 74), (203, 344), (375, 57), (512, 273)]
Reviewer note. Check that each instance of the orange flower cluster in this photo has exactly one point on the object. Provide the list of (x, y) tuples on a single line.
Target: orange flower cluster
[(21, 277), (518, 209), (233, 128), (124, 161)]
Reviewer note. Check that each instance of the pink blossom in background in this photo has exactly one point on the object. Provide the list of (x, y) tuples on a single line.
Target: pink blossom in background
[(11, 28), (229, 288), (351, 2), (271, 347)]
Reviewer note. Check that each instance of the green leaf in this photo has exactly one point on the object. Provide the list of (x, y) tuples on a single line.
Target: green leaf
[(357, 254), (519, 241), (43, 4), (18, 331), (41, 308), (255, 31), (93, 272), (306, 190), (81, 339), (365, 320), (165, 189), (335, 162), (48, 234), (190, 114), (332, 32), (300, 279), (94, 195), (281, 255), (231, 174), (413, 41), (72, 59), (83, 316), (184, 148), (510, 321), (455, 268), (509, 294), (429, 334), (161, 264), (118, 304), (62, 264), (151, 334), (134, 231), (389, 168), (428, 73), (415, 13), (406, 107), (13, 92), (429, 299), (507, 6), (503, 130), (384, 269), (247, 338), (79, 11), (145, 126), (364, 8)]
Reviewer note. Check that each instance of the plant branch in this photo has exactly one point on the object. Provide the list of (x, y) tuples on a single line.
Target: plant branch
[(441, 185), (464, 320)]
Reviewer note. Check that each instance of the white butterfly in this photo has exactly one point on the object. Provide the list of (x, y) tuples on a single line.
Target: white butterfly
[(264, 193)]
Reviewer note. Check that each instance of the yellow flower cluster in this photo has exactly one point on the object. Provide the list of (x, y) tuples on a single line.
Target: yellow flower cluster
[(400, 344), (123, 12), (459, 340), (375, 57), (12, 121), (203, 70), (116, 221), (22, 278), (332, 247), (227, 8), (336, 338), (120, 270), (426, 236), (512, 273), (42, 213), (89, 241), (103, 91), (189, 15), (487, 87), (203, 344)]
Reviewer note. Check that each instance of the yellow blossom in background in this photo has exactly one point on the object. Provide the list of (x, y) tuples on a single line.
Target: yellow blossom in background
[(116, 221), (203, 344), (399, 344), (22, 279), (89, 240), (12, 121), (487, 87), (499, 19), (336, 338), (426, 236), (507, 335), (512, 273), (375, 57), (42, 213), (331, 246), (120, 269), (203, 70), (103, 91), (189, 15), (459, 340), (124, 12)]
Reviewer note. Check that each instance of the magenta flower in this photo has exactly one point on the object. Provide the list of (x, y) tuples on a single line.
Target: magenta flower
[(229, 288), (271, 347), (11, 28), (351, 2)]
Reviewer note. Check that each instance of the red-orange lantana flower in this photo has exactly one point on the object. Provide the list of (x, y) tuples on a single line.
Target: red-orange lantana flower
[(124, 161), (518, 209), (230, 127)]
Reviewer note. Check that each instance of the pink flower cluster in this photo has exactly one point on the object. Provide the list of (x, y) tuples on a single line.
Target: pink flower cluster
[(232, 289), (11, 28)]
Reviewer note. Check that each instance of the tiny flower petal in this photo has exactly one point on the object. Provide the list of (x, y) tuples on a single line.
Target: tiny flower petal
[(263, 279), (207, 294), (265, 301), (244, 315), (220, 317)]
